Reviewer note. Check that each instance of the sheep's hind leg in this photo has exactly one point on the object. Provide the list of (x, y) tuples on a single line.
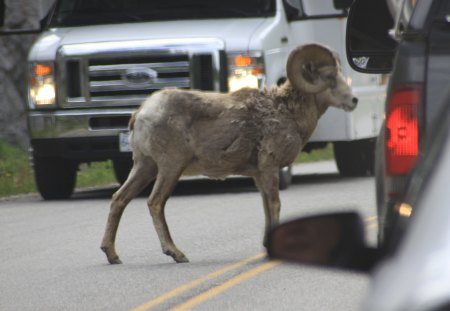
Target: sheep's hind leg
[(164, 185), (143, 172)]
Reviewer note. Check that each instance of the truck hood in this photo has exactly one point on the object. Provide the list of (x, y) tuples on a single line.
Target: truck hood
[(235, 33)]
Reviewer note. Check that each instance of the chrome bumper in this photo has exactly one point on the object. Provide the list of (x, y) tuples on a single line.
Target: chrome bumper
[(78, 123)]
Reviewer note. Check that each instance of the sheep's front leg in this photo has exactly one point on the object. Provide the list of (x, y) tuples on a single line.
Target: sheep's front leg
[(164, 185), (267, 184), (142, 173)]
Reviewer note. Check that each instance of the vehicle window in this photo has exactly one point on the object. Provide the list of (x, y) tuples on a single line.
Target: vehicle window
[(294, 9), (91, 12), (405, 15), (408, 9), (297, 5), (304, 9), (319, 8)]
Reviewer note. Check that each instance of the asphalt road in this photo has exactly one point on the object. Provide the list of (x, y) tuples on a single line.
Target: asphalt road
[(50, 256)]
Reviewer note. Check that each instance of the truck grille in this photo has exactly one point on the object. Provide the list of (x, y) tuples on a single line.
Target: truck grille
[(125, 76)]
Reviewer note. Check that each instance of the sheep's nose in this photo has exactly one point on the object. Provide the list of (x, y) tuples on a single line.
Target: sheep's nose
[(355, 100)]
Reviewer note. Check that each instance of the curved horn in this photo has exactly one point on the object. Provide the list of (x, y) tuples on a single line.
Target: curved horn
[(304, 67)]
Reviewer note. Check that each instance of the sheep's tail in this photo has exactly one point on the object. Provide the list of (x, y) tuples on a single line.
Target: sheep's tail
[(132, 121)]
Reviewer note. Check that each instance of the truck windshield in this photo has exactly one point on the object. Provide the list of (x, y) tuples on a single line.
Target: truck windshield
[(94, 12)]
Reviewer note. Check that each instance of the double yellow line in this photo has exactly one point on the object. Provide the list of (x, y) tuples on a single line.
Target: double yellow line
[(214, 291)]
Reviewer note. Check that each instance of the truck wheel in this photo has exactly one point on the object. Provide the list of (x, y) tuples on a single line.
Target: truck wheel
[(122, 167), (285, 177), (55, 177), (355, 158)]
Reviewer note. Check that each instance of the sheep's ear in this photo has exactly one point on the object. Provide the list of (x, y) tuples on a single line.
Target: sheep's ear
[(328, 73), (310, 72), (305, 65)]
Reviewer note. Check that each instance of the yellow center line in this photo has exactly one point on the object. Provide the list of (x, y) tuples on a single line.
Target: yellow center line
[(179, 290), (223, 287), (218, 289)]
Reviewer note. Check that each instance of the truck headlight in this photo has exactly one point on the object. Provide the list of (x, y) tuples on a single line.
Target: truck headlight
[(245, 70), (42, 85)]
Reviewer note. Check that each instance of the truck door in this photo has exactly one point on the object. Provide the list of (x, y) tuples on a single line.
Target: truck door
[(352, 134), (316, 21)]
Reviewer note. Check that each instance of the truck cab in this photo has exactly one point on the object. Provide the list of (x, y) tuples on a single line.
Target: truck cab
[(96, 61)]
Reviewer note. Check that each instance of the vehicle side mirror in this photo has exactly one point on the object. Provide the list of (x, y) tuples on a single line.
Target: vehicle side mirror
[(332, 240), (342, 4), (370, 48)]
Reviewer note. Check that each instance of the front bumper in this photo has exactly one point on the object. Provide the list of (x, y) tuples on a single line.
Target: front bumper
[(84, 135), (87, 149)]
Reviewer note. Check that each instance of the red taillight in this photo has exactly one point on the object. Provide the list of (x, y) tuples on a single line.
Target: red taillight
[(402, 130)]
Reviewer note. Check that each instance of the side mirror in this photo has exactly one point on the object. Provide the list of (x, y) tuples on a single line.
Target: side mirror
[(342, 4), (332, 240), (370, 48)]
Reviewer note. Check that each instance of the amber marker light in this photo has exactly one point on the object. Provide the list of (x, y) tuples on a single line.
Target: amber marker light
[(42, 70), (42, 90), (245, 70), (242, 61)]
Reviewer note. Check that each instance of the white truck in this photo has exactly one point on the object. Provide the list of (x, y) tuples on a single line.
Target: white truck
[(95, 61)]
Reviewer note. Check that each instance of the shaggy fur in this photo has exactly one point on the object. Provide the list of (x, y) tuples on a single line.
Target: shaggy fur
[(248, 132)]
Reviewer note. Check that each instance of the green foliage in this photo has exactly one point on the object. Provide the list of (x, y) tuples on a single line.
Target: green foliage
[(316, 155), (95, 174), (15, 171), (16, 174)]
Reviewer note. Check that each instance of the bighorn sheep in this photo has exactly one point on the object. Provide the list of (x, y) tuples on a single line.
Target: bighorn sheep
[(247, 132)]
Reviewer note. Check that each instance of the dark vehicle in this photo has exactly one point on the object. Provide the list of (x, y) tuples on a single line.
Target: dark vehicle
[(419, 63), (411, 271), (409, 267)]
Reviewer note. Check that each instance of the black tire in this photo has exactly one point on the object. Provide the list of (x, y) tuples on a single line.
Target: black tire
[(285, 177), (55, 177), (122, 168), (355, 158)]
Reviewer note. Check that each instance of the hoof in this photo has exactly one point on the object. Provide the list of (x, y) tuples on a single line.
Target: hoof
[(182, 259), (114, 260), (178, 257)]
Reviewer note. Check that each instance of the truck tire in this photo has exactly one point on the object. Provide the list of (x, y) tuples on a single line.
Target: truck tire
[(285, 177), (122, 167), (55, 177), (355, 158)]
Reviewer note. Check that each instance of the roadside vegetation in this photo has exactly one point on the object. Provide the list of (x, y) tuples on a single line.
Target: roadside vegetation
[(316, 155), (16, 173)]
